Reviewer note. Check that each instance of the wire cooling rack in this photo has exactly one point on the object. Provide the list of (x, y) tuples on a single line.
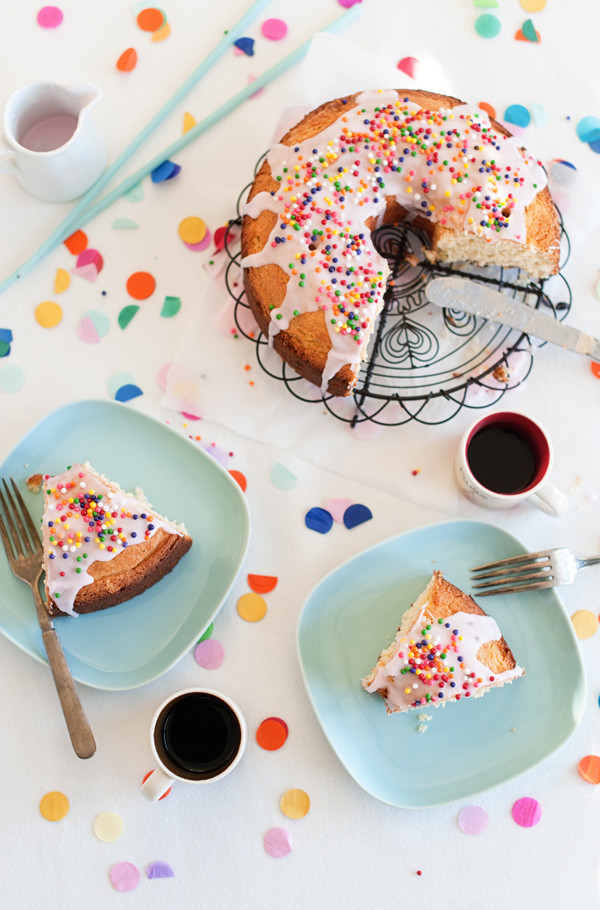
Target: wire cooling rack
[(424, 363)]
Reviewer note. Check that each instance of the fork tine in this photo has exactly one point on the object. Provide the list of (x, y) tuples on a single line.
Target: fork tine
[(536, 570), (15, 523), (513, 560), (513, 579), (33, 531), (500, 589), (6, 539)]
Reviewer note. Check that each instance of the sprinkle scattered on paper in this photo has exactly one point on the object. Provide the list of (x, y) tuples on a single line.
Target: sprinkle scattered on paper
[(54, 806)]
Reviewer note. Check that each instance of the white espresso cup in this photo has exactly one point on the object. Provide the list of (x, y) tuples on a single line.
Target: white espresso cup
[(197, 736), (504, 459), (53, 146)]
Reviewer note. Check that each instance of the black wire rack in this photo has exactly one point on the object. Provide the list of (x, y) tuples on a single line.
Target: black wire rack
[(424, 363)]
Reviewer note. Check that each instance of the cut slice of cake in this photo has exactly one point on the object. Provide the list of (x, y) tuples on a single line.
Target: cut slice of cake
[(447, 648), (102, 546)]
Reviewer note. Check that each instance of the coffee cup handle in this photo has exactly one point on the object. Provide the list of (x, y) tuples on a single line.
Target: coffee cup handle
[(550, 500), (156, 784), (7, 160)]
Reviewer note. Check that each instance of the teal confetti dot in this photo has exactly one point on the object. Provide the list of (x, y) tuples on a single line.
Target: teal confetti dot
[(170, 307), (356, 514), (124, 224), (518, 115), (282, 477), (136, 193), (12, 378), (588, 129), (529, 32), (539, 113), (127, 392), (487, 25), (320, 520), (117, 380), (4, 348), (126, 315)]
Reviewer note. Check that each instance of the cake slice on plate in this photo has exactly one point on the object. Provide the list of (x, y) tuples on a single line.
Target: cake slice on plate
[(102, 546), (447, 648)]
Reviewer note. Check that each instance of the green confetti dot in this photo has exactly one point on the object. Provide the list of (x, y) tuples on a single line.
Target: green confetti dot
[(170, 307), (487, 25), (127, 314), (207, 633)]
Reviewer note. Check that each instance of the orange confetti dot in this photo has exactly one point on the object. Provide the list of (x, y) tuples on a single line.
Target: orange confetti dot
[(54, 806), (272, 733), (237, 475), (295, 803), (127, 61), (262, 584), (76, 243), (484, 106), (589, 769), (141, 285), (48, 314), (162, 33), (150, 19), (595, 368)]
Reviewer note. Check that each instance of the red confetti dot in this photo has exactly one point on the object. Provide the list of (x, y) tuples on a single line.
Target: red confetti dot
[(262, 584), (76, 243), (272, 733), (595, 368), (409, 66), (128, 60), (589, 769), (239, 477)]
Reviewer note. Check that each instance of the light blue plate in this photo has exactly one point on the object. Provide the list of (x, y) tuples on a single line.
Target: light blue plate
[(468, 747), (135, 642)]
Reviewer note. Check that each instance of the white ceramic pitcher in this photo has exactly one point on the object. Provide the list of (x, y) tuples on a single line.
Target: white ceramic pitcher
[(55, 150)]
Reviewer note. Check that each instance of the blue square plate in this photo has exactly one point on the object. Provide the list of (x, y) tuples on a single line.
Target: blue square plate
[(137, 641), (468, 747)]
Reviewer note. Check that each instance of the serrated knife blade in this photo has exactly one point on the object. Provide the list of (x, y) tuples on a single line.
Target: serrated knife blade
[(484, 301)]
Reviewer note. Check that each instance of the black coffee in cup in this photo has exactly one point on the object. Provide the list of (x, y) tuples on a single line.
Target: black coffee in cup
[(197, 735), (507, 454)]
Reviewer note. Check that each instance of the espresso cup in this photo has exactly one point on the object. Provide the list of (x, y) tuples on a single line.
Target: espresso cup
[(504, 459), (197, 736)]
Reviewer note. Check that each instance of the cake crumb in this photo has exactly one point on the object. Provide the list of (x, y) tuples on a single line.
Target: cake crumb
[(423, 725), (34, 483)]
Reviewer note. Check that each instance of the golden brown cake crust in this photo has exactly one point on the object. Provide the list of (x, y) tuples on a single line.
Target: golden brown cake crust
[(305, 344), (130, 573)]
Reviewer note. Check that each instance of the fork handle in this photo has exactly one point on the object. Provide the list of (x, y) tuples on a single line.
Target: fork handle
[(592, 561), (78, 726)]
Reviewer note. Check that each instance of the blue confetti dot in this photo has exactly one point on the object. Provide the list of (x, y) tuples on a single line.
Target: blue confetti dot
[(356, 514), (165, 171), (319, 520), (588, 129), (518, 115), (595, 145), (246, 45), (127, 392)]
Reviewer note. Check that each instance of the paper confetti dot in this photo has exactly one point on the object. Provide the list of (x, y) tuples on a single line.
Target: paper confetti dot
[(48, 314), (170, 307), (12, 378), (595, 368), (278, 842), (4, 348), (348, 3), (274, 29), (150, 19), (124, 224), (126, 315), (128, 392), (484, 106), (50, 17), (486, 3), (589, 769), (532, 6), (539, 113), (317, 519), (161, 33), (76, 243), (526, 812), (588, 129), (188, 122), (356, 514), (207, 633), (192, 229), (272, 733), (252, 607), (116, 380), (108, 826), (159, 869), (487, 25), (473, 820), (585, 623), (209, 654), (62, 281), (165, 171), (124, 876), (408, 65), (202, 244), (528, 31), (141, 285), (282, 478), (54, 806), (89, 271), (245, 45), (128, 60), (518, 115), (337, 507), (262, 584), (135, 194), (93, 326), (239, 478), (295, 803)]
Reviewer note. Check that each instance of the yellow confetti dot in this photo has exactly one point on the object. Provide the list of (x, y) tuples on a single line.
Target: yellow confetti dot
[(188, 122), (161, 33), (54, 806), (532, 6), (192, 229), (61, 281), (108, 826), (251, 607), (585, 623), (295, 803), (48, 314)]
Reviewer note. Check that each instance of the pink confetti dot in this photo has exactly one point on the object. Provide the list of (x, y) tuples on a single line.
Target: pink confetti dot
[(124, 876), (278, 842), (90, 257), (274, 29), (409, 66), (348, 3), (527, 812), (210, 654), (49, 17), (473, 820)]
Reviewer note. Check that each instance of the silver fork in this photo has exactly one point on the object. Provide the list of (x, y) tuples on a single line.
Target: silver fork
[(24, 551), (545, 569)]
